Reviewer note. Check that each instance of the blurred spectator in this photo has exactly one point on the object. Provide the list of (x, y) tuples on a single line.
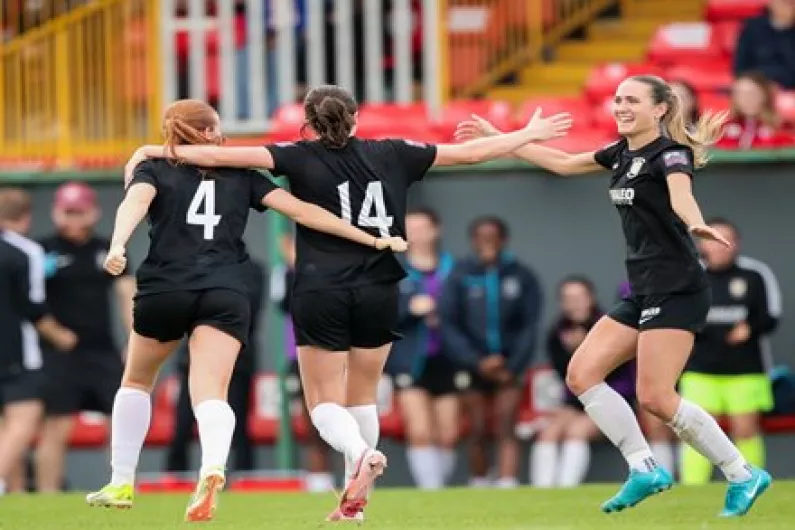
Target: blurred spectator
[(688, 100), (727, 372), (22, 306), (319, 477), (561, 455), (239, 390), (754, 121), (80, 290), (426, 379), (491, 310), (767, 44)]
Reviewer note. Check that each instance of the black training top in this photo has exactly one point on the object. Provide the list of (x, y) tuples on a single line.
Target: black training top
[(197, 220), (366, 182), (661, 255)]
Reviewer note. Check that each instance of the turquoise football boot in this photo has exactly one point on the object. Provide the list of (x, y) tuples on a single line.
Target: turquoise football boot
[(741, 495), (639, 486)]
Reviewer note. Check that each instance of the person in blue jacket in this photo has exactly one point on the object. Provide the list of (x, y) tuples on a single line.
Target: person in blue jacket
[(491, 309), (427, 381)]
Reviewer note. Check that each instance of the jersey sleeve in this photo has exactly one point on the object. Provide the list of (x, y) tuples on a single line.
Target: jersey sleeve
[(144, 173), (29, 285), (677, 159), (607, 155), (416, 157), (285, 157), (260, 187)]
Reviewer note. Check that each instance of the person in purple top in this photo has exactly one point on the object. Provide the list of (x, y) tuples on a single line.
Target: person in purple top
[(560, 457), (428, 382)]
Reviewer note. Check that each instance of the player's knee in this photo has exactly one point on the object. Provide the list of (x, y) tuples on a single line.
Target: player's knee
[(578, 380), (658, 401), (448, 439)]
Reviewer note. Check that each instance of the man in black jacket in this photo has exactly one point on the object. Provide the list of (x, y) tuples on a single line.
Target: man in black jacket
[(727, 371), (767, 44)]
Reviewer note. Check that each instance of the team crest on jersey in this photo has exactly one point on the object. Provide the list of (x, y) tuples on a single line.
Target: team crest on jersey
[(511, 288), (738, 287), (634, 169)]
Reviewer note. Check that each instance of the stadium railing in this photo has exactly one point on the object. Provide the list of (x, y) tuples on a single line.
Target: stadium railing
[(83, 86)]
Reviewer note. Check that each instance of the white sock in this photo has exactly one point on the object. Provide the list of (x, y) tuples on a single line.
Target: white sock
[(216, 423), (319, 482), (339, 429), (425, 464), (543, 464), (506, 483), (575, 459), (129, 423), (701, 432), (366, 417), (616, 419), (664, 455), (449, 458)]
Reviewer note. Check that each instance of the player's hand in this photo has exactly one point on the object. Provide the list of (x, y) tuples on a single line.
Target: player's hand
[(395, 244), (490, 365), (421, 305), (475, 128), (138, 156), (739, 334), (552, 127), (708, 232), (65, 340), (116, 261), (503, 376)]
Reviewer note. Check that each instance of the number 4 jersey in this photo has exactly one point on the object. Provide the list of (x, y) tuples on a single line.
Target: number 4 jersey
[(197, 220), (366, 182)]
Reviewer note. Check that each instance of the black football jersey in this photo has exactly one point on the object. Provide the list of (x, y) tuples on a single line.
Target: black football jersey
[(197, 220), (366, 183), (661, 255)]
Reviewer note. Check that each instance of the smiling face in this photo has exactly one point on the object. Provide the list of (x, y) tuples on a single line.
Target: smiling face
[(634, 109)]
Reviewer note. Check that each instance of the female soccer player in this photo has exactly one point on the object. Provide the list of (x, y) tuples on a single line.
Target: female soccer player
[(193, 282), (345, 307), (653, 165), (427, 381)]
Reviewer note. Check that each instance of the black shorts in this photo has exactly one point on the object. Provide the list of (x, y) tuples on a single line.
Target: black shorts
[(171, 315), (341, 319), (24, 386), (482, 385), (686, 311), (439, 377), (78, 381)]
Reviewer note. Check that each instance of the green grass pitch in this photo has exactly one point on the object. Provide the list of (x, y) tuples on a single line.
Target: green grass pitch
[(455, 509)]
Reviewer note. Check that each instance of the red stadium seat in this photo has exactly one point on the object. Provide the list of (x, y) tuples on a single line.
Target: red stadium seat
[(391, 112), (263, 424), (290, 115), (576, 106), (690, 42), (719, 10), (583, 141), (726, 34), (602, 115), (418, 131), (543, 392), (164, 403), (703, 78), (714, 102), (497, 112), (785, 103), (90, 430), (605, 78)]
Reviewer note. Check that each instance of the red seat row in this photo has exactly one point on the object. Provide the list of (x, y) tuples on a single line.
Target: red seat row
[(541, 394), (722, 10)]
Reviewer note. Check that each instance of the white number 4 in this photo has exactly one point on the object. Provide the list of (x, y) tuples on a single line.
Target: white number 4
[(209, 220), (373, 200)]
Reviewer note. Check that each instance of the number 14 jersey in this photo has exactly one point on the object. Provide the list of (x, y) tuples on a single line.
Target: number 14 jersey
[(197, 220), (366, 183)]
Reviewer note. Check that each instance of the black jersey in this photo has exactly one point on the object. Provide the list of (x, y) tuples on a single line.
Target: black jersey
[(661, 255), (197, 220), (80, 291), (22, 303), (366, 183), (745, 292)]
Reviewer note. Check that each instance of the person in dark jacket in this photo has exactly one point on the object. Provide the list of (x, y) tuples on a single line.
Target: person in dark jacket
[(426, 379), (727, 371), (561, 454), (491, 309), (767, 44), (239, 390)]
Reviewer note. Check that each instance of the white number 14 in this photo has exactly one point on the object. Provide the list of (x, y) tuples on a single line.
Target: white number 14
[(373, 200), (209, 220)]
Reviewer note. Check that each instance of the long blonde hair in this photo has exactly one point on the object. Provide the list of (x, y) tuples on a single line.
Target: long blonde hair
[(704, 133)]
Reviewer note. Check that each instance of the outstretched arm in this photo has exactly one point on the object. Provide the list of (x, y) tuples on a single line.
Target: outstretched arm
[(131, 212), (684, 205), (481, 149), (322, 220)]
